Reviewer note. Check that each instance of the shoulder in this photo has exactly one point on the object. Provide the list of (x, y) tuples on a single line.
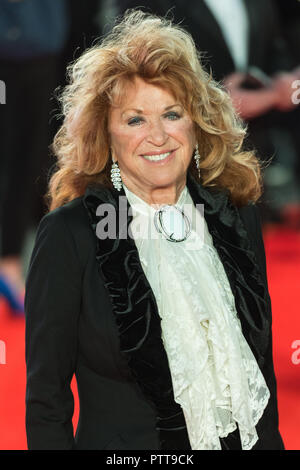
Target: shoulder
[(67, 226), (71, 216), (250, 216)]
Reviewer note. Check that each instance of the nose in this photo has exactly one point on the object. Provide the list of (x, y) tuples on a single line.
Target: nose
[(157, 134)]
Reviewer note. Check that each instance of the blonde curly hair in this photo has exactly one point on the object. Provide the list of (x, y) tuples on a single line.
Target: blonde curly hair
[(164, 54)]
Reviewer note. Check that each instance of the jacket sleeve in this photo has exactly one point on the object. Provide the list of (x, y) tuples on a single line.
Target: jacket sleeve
[(252, 220), (52, 305), (268, 426)]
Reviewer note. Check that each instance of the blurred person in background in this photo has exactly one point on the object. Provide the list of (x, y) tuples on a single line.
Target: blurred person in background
[(84, 28), (289, 13), (33, 34), (242, 42), (38, 38)]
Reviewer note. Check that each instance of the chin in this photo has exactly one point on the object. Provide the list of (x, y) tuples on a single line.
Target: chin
[(163, 182)]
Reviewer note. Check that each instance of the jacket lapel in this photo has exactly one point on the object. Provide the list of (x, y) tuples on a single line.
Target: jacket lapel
[(134, 305), (136, 315), (233, 245)]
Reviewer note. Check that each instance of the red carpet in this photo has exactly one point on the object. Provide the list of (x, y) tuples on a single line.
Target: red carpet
[(283, 262)]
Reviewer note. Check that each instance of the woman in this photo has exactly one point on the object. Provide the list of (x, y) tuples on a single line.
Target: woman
[(161, 310)]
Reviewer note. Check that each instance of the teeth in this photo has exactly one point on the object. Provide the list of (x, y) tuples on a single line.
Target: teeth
[(156, 158)]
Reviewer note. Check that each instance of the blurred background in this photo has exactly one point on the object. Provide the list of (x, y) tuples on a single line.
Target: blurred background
[(252, 47)]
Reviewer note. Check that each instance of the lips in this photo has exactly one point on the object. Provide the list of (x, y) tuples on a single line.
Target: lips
[(156, 152), (159, 157)]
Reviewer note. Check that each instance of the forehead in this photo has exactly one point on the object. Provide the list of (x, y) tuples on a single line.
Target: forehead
[(138, 94)]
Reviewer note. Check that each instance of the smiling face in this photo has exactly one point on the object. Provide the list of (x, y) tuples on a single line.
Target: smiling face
[(152, 137)]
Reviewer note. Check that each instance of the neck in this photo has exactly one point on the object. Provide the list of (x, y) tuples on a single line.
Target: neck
[(158, 195)]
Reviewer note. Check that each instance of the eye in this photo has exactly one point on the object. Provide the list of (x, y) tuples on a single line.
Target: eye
[(172, 116), (135, 120)]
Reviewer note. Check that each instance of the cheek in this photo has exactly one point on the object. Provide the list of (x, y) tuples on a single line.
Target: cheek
[(120, 143), (124, 141), (184, 133), (189, 130)]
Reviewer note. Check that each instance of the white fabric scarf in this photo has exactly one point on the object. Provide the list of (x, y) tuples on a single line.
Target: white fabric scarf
[(215, 376)]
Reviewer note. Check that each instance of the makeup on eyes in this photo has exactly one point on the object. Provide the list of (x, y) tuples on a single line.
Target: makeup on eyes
[(137, 119), (140, 112)]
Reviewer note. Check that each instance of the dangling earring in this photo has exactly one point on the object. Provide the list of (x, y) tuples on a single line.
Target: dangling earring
[(115, 176), (197, 160)]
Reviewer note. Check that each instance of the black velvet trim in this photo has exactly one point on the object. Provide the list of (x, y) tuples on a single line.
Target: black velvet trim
[(135, 307), (137, 318), (231, 240)]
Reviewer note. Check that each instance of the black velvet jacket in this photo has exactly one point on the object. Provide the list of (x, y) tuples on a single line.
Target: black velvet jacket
[(91, 311)]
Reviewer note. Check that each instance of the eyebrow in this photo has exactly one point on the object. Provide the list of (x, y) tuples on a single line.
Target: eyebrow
[(140, 111)]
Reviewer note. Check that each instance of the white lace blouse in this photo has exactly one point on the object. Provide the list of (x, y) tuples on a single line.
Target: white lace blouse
[(216, 379)]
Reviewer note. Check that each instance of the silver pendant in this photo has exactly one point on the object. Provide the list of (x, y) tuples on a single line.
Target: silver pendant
[(172, 223)]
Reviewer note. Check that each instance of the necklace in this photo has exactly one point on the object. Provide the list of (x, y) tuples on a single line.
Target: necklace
[(172, 223)]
